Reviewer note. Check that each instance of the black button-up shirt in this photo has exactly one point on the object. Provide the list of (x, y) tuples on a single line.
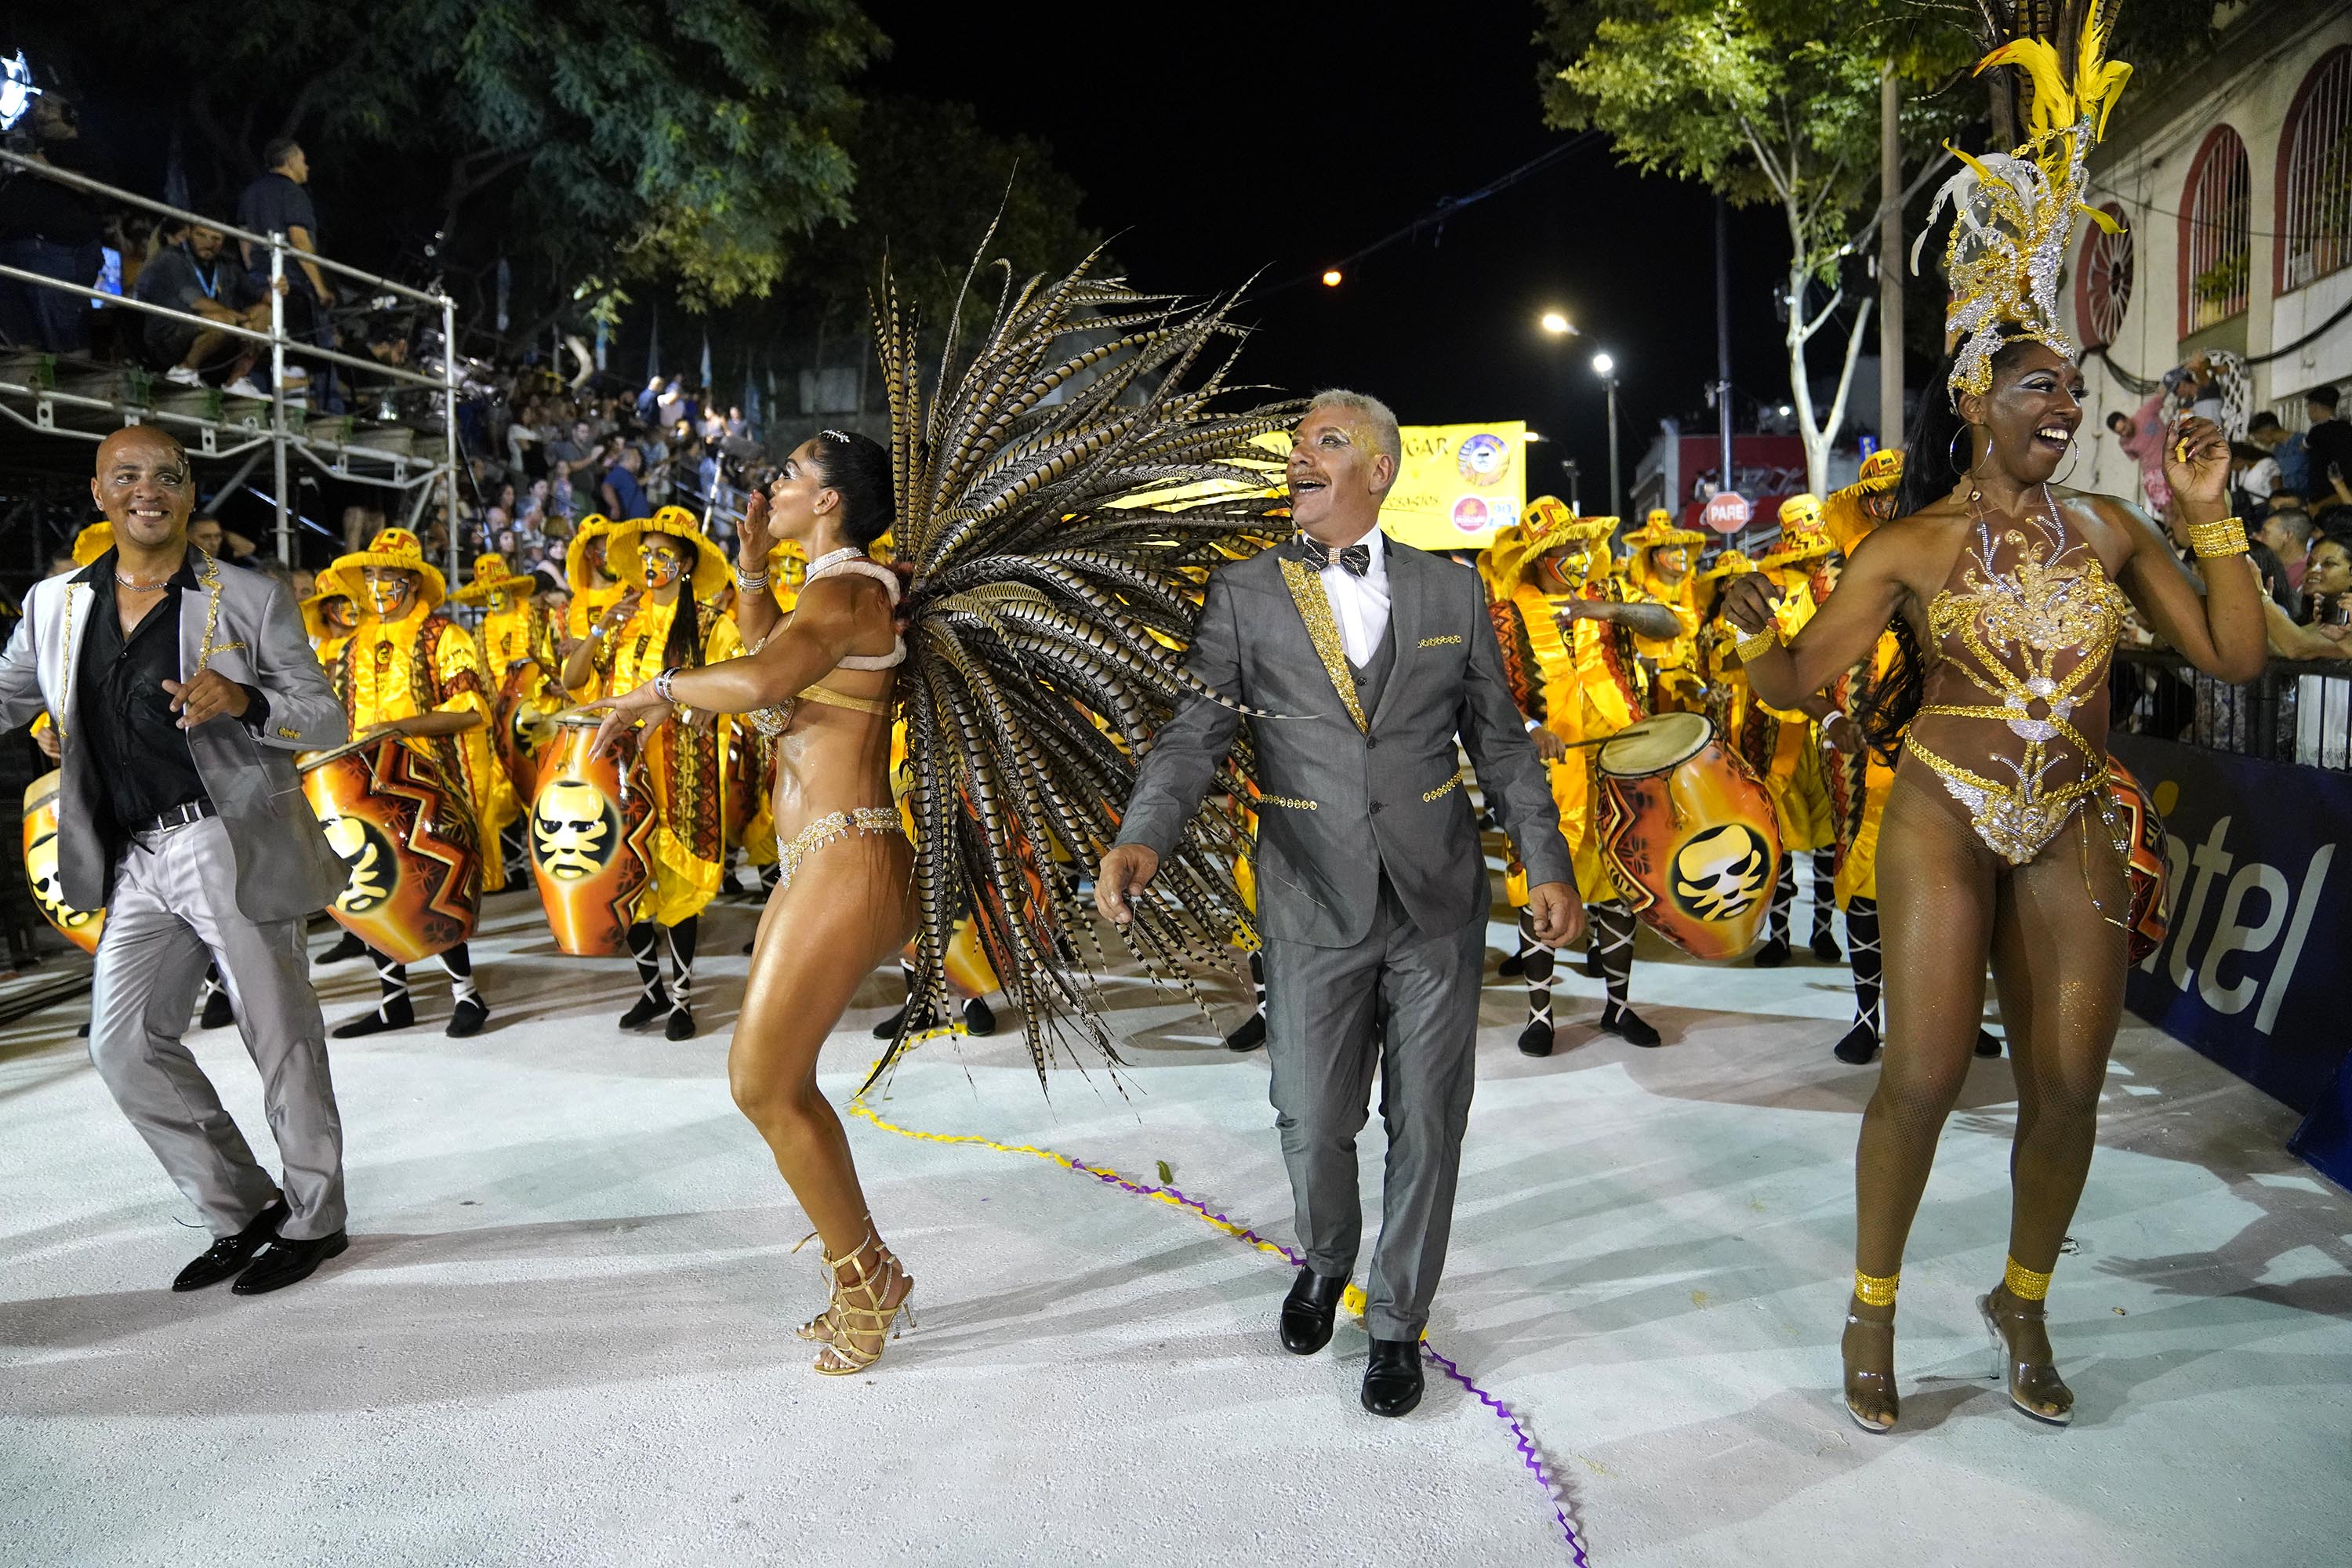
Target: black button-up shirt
[(124, 715)]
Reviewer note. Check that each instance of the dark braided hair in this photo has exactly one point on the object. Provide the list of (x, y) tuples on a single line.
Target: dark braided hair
[(857, 467), (1932, 461)]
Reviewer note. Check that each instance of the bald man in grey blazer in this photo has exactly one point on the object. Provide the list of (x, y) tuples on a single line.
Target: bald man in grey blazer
[(181, 691), (1372, 887)]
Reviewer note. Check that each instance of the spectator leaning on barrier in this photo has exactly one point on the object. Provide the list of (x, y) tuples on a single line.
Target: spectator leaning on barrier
[(2329, 578), (189, 275), (279, 202)]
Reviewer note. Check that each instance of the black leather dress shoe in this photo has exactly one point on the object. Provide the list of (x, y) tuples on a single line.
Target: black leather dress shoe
[(1392, 1377), (1773, 954), (231, 1253), (1628, 1025), (1308, 1310), (284, 1263), (1988, 1043), (219, 1013), (468, 1018)]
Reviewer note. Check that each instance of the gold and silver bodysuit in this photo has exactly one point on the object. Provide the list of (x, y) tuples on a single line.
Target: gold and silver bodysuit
[(2014, 710)]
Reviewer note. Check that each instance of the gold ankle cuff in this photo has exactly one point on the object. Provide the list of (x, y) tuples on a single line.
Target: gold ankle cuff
[(1873, 1291), (2023, 1283)]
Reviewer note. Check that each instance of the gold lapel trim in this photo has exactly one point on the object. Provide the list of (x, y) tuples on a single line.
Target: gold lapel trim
[(209, 575), (1307, 592)]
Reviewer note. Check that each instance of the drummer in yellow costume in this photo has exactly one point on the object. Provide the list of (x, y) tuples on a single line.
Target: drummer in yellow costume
[(411, 672), (1784, 746), (1658, 567), (666, 617), (590, 575), (515, 631), (1566, 628)]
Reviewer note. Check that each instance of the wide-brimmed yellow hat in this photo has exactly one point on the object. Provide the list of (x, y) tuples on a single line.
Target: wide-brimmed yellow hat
[(596, 525), (1729, 563), (1550, 522), (621, 555), (492, 575), (1846, 515), (314, 612), (393, 547), (92, 543), (1658, 531), (1803, 537)]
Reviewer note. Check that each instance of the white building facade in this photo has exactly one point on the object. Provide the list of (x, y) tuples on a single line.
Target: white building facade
[(2234, 180)]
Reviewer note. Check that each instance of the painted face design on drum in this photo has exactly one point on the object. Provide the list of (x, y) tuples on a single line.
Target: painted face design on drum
[(574, 832), (664, 564), (48, 887), (1720, 874), (368, 855)]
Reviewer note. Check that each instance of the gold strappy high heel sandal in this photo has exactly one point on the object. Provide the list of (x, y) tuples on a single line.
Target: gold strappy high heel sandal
[(858, 1310), (2031, 1384)]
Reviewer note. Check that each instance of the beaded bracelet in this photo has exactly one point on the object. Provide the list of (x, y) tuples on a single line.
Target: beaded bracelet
[(661, 685), (1753, 644), (750, 581), (2214, 539)]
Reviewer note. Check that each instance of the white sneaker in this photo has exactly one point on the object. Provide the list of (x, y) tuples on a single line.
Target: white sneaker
[(243, 388), (181, 375)]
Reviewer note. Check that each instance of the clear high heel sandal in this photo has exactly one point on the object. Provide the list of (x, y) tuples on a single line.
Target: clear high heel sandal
[(856, 1309), (2031, 1383)]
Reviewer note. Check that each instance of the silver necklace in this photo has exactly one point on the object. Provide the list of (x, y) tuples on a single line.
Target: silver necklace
[(139, 587)]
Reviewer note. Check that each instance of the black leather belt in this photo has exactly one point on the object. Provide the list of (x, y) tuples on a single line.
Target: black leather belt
[(178, 817)]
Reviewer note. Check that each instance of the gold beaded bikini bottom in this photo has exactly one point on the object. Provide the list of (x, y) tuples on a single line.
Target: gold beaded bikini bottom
[(829, 830)]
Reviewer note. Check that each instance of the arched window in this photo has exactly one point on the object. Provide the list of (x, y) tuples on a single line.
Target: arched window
[(2314, 176), (2215, 248), (2103, 281)]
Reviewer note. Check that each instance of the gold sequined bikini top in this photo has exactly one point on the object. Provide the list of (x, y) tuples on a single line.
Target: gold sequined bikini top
[(775, 720), (2032, 623)]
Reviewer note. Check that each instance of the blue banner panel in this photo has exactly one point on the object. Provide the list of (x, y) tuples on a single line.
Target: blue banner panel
[(2253, 973)]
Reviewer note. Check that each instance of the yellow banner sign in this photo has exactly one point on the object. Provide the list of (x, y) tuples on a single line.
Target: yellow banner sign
[(1458, 485)]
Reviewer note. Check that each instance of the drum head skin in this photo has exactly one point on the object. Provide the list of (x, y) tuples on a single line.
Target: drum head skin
[(1656, 745)]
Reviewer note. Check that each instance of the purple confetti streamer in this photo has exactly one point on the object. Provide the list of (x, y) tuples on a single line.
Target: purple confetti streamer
[(1529, 1454)]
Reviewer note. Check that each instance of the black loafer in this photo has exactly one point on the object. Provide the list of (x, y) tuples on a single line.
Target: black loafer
[(1988, 1043), (979, 1017), (1629, 1026), (231, 1253), (282, 1263), (1536, 1039), (1392, 1377), (1826, 948), (1308, 1310), (1860, 1044), (1773, 954), (219, 1013), (399, 1015), (1250, 1035)]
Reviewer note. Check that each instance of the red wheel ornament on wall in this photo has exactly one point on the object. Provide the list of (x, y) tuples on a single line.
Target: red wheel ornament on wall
[(2103, 281)]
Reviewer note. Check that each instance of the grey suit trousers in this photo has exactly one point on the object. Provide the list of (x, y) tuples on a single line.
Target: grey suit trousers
[(1407, 1003), (174, 907)]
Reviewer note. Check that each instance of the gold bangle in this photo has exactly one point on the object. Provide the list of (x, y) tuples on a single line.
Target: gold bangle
[(2212, 541), (2022, 1282), (1872, 1290), (1751, 644)]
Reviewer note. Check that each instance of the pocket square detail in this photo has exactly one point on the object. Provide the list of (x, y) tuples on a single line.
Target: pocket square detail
[(1438, 642)]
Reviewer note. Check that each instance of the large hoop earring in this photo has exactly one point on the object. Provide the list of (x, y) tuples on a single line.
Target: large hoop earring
[(2073, 457), (1952, 452)]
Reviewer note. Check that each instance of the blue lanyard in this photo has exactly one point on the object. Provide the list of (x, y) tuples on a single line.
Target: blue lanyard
[(211, 285)]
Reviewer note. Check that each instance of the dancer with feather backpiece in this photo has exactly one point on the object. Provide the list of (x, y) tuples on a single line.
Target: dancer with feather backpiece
[(1048, 569)]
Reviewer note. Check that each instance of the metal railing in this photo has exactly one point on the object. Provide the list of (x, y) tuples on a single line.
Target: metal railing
[(339, 460), (2296, 711)]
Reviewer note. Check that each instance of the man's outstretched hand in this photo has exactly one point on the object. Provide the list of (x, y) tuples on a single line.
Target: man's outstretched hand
[(1557, 913), (1125, 871)]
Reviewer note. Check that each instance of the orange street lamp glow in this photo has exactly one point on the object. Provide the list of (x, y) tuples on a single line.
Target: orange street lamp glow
[(1331, 278), (1557, 324)]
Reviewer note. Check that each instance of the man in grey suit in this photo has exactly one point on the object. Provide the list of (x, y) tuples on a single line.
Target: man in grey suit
[(180, 692), (1372, 888)]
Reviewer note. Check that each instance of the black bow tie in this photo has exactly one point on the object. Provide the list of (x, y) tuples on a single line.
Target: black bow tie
[(1356, 558)]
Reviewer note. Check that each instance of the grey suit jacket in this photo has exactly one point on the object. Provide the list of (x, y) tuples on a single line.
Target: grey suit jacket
[(243, 624), (1342, 802)]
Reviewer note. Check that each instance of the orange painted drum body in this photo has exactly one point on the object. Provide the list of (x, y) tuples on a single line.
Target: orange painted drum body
[(416, 886), (2144, 839), (591, 832), (522, 710), (1688, 833), (80, 927)]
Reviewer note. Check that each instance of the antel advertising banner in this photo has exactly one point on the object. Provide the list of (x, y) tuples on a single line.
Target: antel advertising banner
[(1458, 485), (2253, 972)]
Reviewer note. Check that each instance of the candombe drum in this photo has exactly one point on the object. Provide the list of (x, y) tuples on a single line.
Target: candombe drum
[(80, 927), (522, 713), (1688, 833), (415, 887), (591, 829), (2139, 832)]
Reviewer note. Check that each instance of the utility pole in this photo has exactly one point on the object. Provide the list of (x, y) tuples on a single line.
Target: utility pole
[(1724, 474), (1890, 259)]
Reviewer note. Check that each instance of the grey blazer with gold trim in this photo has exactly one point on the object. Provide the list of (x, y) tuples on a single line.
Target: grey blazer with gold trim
[(1347, 797), (243, 624)]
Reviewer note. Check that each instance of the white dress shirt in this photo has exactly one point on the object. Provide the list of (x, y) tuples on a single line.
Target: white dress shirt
[(1361, 604)]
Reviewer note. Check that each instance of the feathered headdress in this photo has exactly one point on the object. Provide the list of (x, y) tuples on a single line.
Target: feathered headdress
[(2014, 212), (1062, 498)]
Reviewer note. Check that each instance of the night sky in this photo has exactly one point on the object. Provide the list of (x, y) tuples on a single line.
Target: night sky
[(1216, 141)]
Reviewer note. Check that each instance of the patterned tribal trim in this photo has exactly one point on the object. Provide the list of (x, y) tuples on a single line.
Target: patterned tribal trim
[(832, 829), (1307, 592), (1294, 804), (1438, 642), (1448, 787)]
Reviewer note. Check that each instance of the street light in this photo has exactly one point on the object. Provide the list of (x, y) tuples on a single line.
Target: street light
[(1331, 278), (1558, 325), (1605, 368)]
